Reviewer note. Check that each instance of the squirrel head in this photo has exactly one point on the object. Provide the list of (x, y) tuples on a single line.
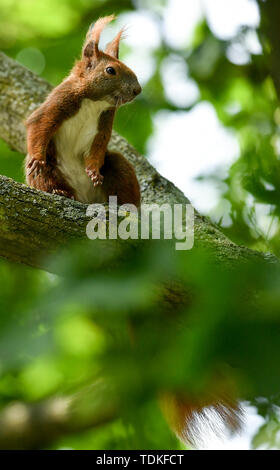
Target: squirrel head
[(104, 76)]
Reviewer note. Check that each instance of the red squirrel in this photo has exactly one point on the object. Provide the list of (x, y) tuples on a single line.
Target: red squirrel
[(68, 135), (67, 139)]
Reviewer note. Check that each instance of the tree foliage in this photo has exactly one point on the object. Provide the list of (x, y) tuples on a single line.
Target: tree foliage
[(58, 335)]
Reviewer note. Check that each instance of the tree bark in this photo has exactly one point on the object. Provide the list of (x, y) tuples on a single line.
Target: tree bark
[(34, 223)]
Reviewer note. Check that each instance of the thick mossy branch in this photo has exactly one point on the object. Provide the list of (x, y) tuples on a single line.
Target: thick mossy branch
[(33, 223)]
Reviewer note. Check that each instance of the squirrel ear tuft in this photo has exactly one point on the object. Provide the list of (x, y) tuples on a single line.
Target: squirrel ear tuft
[(90, 50), (114, 46), (93, 36)]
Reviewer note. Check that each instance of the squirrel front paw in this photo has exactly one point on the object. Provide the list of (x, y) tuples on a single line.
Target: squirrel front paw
[(35, 166), (95, 176)]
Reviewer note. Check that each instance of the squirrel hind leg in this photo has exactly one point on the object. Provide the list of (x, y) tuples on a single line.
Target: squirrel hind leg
[(120, 179), (48, 178)]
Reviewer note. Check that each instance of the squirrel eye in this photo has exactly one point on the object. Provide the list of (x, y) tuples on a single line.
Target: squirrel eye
[(111, 71)]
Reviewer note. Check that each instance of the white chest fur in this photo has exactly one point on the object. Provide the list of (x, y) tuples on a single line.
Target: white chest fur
[(73, 142)]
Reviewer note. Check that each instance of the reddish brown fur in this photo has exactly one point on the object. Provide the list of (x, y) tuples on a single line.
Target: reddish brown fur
[(86, 80), (95, 160), (49, 178), (113, 47), (120, 180), (188, 416), (62, 103)]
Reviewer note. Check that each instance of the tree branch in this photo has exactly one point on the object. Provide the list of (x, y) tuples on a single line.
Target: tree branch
[(33, 223), (24, 426)]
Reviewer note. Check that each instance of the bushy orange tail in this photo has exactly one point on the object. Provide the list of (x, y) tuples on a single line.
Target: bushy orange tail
[(193, 421)]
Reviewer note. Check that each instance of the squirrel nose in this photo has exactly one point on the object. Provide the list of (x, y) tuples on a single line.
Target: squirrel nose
[(137, 90)]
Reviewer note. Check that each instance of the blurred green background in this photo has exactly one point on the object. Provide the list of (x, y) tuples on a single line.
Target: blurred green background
[(57, 335)]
